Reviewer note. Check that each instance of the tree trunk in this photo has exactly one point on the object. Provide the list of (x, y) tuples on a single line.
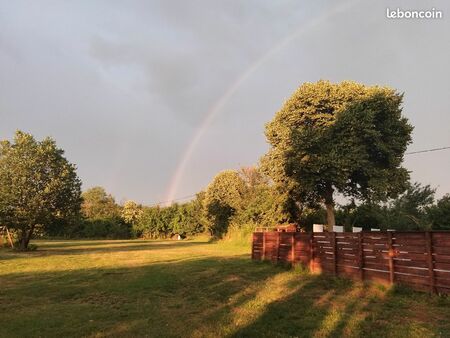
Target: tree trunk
[(329, 204), (330, 216), (25, 238)]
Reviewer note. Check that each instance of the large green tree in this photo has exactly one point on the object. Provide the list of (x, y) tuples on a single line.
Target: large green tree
[(38, 186), (98, 204), (344, 138), (223, 197)]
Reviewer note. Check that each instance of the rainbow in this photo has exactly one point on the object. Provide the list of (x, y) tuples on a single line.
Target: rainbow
[(221, 102)]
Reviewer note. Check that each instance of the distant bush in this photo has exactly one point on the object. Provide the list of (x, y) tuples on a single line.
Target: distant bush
[(105, 228)]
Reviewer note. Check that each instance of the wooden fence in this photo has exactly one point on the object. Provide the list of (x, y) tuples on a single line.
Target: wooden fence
[(420, 260)]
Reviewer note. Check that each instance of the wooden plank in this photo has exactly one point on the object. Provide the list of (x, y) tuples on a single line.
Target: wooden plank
[(373, 241), (334, 252), (430, 262), (277, 247), (311, 247), (391, 261), (442, 282), (361, 256), (412, 256), (412, 242), (264, 246), (441, 258), (442, 274), (370, 236), (441, 250), (408, 235), (409, 279), (437, 235), (409, 248), (411, 270), (442, 266), (441, 241), (293, 248), (400, 262)]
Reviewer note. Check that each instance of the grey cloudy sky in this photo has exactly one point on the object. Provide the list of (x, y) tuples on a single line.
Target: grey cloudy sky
[(123, 86)]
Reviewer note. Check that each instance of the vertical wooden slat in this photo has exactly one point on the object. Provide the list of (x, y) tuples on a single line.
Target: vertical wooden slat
[(334, 242), (277, 247), (293, 248), (311, 254), (361, 255), (391, 258), (10, 238), (263, 255), (428, 237), (253, 245)]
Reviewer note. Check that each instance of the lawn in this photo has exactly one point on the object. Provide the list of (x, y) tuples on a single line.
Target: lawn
[(194, 289)]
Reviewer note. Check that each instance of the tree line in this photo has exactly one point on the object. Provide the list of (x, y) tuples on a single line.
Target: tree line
[(327, 140)]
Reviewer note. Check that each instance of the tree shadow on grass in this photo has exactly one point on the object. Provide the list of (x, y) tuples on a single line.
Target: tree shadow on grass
[(336, 307), (205, 297), (92, 247), (174, 298)]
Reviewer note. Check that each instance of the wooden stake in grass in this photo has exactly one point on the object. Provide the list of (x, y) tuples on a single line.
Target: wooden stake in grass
[(8, 234)]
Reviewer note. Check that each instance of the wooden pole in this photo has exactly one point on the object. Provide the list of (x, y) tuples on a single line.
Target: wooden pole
[(293, 248), (311, 254), (10, 238), (277, 248), (333, 239), (391, 258), (428, 237), (361, 255), (263, 256), (253, 246)]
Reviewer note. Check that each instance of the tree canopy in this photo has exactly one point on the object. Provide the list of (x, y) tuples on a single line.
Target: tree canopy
[(38, 186), (346, 137)]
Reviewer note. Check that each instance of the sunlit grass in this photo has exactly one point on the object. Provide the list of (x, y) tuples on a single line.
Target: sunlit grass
[(194, 289)]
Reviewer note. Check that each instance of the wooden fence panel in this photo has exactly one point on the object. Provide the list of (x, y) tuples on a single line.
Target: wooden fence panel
[(257, 245), (302, 248), (420, 260)]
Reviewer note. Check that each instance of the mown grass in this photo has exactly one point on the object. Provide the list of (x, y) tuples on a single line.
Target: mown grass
[(195, 289)]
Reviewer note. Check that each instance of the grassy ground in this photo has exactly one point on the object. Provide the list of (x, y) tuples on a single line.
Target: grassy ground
[(194, 289)]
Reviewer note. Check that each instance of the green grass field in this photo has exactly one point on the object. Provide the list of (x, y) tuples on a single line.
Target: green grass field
[(194, 289)]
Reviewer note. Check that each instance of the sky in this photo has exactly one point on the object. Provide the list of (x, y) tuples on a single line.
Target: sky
[(151, 99)]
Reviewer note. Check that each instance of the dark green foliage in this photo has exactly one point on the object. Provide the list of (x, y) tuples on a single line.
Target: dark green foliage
[(101, 217), (439, 214), (409, 210), (163, 222), (241, 199), (38, 186), (346, 138), (413, 210), (112, 228)]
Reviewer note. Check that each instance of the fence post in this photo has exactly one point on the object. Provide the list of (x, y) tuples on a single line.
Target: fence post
[(253, 245), (391, 258), (428, 238), (311, 253), (361, 255), (263, 256), (277, 247), (333, 238), (293, 248)]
